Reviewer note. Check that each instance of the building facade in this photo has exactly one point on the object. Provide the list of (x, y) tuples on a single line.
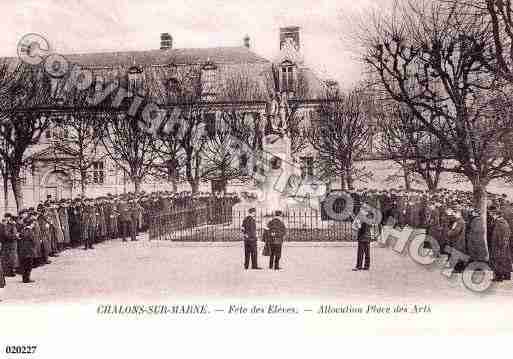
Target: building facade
[(225, 77)]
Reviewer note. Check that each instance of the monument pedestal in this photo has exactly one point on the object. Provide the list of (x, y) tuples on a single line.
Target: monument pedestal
[(272, 192)]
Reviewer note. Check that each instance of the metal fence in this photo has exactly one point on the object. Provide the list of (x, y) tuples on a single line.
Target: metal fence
[(224, 223)]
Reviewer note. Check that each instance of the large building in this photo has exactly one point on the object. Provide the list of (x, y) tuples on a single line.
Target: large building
[(159, 75)]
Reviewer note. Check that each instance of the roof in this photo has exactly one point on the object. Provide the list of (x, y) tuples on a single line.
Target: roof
[(164, 57)]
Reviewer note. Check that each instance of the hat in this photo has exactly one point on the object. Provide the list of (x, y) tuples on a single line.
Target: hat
[(252, 210), (278, 213)]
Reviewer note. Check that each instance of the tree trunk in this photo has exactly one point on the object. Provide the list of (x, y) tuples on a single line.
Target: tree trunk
[(481, 202), (343, 182), (6, 192), (83, 179), (406, 176), (137, 185), (432, 184), (194, 186), (349, 180), (174, 184), (17, 190)]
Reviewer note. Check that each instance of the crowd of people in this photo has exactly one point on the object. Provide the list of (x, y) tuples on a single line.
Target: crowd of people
[(450, 218), (39, 233)]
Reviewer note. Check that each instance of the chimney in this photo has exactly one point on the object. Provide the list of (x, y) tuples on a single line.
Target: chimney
[(166, 41), (290, 32), (247, 40)]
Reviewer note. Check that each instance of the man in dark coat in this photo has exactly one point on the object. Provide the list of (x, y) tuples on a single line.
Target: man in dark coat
[(27, 246), (476, 244), (123, 219), (445, 224), (2, 277), (9, 245), (134, 211), (507, 214), (363, 236), (250, 240), (74, 223), (107, 212), (277, 231), (44, 233), (500, 255), (456, 235), (38, 252), (86, 218), (402, 211)]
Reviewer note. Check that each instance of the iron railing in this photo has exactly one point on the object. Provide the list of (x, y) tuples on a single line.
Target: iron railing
[(224, 223)]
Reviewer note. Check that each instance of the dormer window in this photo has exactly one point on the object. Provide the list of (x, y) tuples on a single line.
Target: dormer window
[(208, 82), (135, 80), (287, 77)]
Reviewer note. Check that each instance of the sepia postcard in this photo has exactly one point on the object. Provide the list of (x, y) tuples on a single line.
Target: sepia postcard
[(178, 175)]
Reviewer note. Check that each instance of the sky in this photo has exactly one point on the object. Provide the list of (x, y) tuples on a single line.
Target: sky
[(73, 26)]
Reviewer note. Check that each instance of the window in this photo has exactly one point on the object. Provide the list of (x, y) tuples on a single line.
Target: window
[(307, 169), (287, 77), (135, 78), (98, 172), (208, 82)]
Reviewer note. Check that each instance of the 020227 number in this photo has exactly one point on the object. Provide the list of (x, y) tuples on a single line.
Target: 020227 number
[(20, 349)]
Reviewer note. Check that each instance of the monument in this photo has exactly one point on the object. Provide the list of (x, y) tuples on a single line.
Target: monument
[(277, 168)]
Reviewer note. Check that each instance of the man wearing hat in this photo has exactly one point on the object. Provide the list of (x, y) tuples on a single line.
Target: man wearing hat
[(2, 277), (250, 240), (123, 219), (499, 244), (9, 239), (456, 234), (277, 231), (86, 218), (27, 246), (107, 213), (363, 236), (134, 210), (476, 244)]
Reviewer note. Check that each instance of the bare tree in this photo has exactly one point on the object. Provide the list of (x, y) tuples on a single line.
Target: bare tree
[(181, 135), (241, 89), (129, 146), (341, 135), (80, 132), (170, 157), (426, 61), (497, 19), (404, 141), (5, 183), (25, 91), (220, 163)]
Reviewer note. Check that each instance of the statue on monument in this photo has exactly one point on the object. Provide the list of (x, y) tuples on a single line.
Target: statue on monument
[(277, 112)]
